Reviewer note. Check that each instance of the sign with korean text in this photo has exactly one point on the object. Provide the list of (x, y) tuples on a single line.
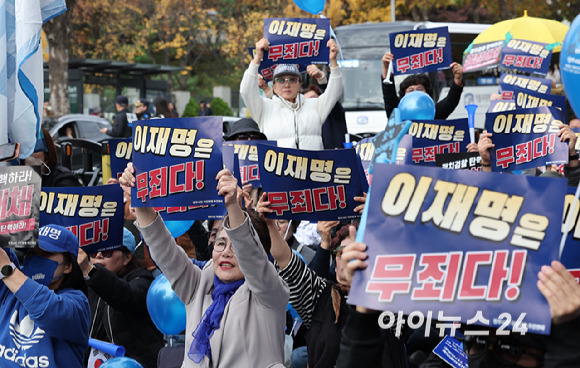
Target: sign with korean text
[(311, 185), (540, 85), (94, 214), (365, 149), (571, 253), (526, 138), (297, 40), (436, 137), (459, 161), (528, 100), (526, 56), (482, 56), (460, 246), (420, 51), (267, 67), (501, 105), (121, 150), (176, 162), (19, 203), (248, 166)]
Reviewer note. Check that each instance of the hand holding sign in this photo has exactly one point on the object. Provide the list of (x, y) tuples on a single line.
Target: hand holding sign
[(324, 228), (484, 145), (566, 134), (353, 256), (261, 46), (332, 53), (561, 291), (457, 70)]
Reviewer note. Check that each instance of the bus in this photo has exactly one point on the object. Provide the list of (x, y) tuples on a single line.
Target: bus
[(362, 47)]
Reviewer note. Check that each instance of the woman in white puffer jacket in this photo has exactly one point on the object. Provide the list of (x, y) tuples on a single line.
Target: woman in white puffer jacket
[(289, 118)]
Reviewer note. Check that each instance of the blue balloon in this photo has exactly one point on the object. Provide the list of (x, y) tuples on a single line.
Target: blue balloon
[(167, 311), (570, 65), (417, 105), (311, 6), (178, 228), (121, 362)]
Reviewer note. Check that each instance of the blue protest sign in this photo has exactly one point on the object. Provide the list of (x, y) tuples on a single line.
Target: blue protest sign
[(528, 100), (571, 254), (483, 56), (267, 67), (421, 51), (19, 203), (451, 351), (93, 214), (540, 85), (526, 56), (297, 40), (176, 162), (121, 151), (459, 246), (365, 149), (526, 138), (435, 137), (311, 185), (247, 154), (501, 105)]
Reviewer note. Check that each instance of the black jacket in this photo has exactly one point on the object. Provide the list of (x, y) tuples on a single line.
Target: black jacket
[(60, 177), (119, 313), (443, 108), (121, 127), (334, 128)]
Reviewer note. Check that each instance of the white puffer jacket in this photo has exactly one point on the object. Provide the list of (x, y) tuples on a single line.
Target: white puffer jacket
[(292, 125)]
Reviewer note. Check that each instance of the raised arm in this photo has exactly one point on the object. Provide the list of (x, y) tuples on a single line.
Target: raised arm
[(249, 89), (390, 97), (183, 275), (325, 103)]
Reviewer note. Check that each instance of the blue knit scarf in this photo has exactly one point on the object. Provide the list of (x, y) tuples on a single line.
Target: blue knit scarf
[(222, 292)]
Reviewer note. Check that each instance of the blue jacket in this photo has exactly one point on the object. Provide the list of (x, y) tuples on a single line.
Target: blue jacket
[(41, 328)]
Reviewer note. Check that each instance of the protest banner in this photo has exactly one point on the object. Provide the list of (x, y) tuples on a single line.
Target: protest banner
[(94, 214), (435, 137), (482, 56), (299, 41), (176, 162), (540, 85), (501, 105), (365, 149), (458, 246), (570, 257), (526, 56), (267, 67), (247, 154), (19, 203), (121, 152), (529, 100), (421, 51), (526, 138), (459, 161), (311, 185)]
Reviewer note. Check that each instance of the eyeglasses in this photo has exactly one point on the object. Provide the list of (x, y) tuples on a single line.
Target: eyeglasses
[(503, 351), (220, 245), (292, 80), (105, 254)]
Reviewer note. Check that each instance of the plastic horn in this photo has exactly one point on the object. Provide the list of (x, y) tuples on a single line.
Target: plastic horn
[(471, 120), (107, 348)]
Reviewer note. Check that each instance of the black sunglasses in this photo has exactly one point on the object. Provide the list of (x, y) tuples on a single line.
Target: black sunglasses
[(105, 254)]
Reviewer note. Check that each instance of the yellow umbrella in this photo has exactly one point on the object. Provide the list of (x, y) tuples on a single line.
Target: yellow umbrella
[(525, 28)]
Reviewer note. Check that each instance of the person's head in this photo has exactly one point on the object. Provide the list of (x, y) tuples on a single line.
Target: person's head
[(287, 228), (245, 129), (213, 226), (287, 81), (415, 82), (340, 240), (117, 260), (202, 105), (312, 91), (225, 262), (53, 262), (44, 155), (504, 351), (161, 107), (121, 102), (141, 106)]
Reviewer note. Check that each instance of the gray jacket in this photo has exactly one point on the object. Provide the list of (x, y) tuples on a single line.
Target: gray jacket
[(251, 332)]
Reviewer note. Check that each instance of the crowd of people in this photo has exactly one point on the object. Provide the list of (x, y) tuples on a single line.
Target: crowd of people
[(248, 269)]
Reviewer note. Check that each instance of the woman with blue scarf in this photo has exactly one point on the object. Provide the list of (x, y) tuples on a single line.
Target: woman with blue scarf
[(236, 304)]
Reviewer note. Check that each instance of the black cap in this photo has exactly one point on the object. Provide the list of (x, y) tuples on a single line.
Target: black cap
[(122, 100), (245, 125)]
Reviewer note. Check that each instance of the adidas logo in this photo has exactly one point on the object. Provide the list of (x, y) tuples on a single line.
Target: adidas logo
[(24, 334)]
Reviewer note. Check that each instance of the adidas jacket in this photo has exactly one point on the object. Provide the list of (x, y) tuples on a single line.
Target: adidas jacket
[(40, 328)]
